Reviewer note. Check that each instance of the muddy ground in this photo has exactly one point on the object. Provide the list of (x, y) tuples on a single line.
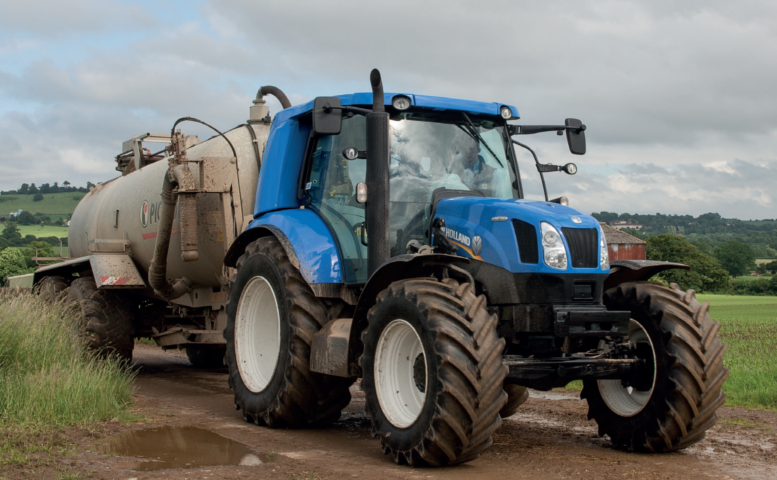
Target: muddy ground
[(548, 438)]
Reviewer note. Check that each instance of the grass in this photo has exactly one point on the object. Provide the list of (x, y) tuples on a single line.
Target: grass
[(748, 278), (52, 203), (48, 381), (40, 230), (749, 329), (759, 261)]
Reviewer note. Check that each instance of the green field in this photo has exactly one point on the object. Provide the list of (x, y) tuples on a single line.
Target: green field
[(749, 328), (759, 261), (54, 205), (40, 230), (748, 278)]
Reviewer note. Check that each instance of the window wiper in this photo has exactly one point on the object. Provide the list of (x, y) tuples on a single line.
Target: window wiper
[(474, 131)]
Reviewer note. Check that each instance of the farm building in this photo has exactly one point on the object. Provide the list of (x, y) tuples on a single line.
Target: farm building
[(622, 246)]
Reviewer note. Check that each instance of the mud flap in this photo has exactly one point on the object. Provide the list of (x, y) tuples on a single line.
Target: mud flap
[(109, 271)]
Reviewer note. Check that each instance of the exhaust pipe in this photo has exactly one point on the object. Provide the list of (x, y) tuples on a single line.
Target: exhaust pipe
[(377, 178)]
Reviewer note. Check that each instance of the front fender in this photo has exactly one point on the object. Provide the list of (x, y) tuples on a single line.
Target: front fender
[(398, 268), (623, 271)]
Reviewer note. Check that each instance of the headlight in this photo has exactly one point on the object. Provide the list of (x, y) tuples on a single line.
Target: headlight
[(505, 112), (401, 102), (604, 257), (553, 251)]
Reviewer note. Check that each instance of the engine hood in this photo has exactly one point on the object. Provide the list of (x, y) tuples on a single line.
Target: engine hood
[(483, 229)]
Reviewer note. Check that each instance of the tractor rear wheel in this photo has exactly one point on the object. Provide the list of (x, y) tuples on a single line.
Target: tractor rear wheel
[(105, 319), (675, 406), (433, 373), (272, 316)]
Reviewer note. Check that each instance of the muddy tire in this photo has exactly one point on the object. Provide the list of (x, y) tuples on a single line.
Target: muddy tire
[(105, 319), (686, 385), (516, 396), (272, 317), (52, 289), (205, 356), (433, 373)]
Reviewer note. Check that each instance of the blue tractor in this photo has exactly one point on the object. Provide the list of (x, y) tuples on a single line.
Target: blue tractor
[(391, 241)]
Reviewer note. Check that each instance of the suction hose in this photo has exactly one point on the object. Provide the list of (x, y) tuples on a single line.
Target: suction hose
[(274, 91), (157, 273)]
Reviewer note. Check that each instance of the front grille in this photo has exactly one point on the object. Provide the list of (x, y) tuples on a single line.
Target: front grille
[(526, 235), (583, 246)]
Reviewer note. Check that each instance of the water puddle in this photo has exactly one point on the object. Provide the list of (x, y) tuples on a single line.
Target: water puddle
[(181, 447)]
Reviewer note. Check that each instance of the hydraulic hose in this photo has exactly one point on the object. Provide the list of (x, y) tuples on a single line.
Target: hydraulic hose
[(157, 272)]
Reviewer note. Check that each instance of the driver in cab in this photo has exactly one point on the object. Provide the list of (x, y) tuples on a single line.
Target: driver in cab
[(470, 166)]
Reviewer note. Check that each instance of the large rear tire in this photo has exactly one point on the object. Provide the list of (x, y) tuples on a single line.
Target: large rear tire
[(105, 319), (433, 373), (272, 317), (52, 289), (674, 408)]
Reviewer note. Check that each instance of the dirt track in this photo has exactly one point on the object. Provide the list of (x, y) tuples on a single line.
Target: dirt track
[(548, 438)]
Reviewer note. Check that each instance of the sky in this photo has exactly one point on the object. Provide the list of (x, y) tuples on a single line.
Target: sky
[(679, 98)]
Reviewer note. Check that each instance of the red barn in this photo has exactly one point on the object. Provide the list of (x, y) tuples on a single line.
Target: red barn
[(622, 246)]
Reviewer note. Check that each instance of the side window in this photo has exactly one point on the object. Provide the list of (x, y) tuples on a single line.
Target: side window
[(332, 190)]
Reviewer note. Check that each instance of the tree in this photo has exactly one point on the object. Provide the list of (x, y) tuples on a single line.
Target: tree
[(41, 249), (33, 189), (12, 262), (736, 257), (38, 197), (706, 273), (27, 218), (66, 183), (24, 189), (11, 232), (45, 188)]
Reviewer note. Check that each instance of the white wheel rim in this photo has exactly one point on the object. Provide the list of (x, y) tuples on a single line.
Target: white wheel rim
[(400, 398), (257, 334), (627, 401)]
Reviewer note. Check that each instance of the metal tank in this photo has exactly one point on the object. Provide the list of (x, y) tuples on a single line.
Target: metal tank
[(123, 214)]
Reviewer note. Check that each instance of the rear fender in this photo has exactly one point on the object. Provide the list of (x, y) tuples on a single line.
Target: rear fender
[(109, 271), (305, 238), (623, 271)]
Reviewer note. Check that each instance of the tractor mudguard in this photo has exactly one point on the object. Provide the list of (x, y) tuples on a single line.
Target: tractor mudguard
[(622, 271), (397, 268), (305, 238)]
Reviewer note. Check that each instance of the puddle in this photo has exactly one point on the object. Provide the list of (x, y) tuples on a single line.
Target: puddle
[(180, 447)]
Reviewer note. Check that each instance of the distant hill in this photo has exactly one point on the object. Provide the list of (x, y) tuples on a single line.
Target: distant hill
[(55, 205)]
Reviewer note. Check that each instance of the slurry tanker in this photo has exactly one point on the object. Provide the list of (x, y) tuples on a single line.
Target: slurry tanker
[(386, 237)]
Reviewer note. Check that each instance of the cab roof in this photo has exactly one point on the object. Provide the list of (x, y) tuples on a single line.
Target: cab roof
[(425, 101)]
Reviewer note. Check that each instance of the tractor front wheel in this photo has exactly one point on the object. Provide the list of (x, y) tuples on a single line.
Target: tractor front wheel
[(433, 373), (675, 403)]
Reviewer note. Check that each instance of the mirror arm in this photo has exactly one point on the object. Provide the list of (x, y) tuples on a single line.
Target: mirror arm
[(348, 108), (532, 129)]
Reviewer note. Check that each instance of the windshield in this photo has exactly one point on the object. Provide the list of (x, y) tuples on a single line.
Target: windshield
[(429, 151)]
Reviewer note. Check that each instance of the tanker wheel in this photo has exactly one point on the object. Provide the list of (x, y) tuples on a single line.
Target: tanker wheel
[(433, 373), (674, 405), (206, 356), (516, 396), (272, 317), (52, 289), (105, 319)]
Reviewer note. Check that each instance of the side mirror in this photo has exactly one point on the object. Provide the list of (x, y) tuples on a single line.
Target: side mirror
[(575, 136), (327, 116)]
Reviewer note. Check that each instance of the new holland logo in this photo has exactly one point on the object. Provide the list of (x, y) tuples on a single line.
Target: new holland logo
[(477, 245), (457, 236), (144, 214)]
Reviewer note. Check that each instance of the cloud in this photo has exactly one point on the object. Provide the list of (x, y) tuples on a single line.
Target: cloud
[(678, 98)]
